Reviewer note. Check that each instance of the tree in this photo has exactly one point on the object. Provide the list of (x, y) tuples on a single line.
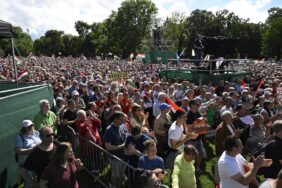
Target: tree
[(82, 28), (51, 43), (274, 13), (173, 31), (129, 25), (272, 36), (23, 43)]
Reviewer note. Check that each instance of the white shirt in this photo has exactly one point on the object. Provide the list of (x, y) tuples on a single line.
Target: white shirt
[(224, 108), (229, 166), (178, 94), (230, 128), (156, 108), (175, 132)]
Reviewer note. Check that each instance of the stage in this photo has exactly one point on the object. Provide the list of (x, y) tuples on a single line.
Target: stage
[(194, 75)]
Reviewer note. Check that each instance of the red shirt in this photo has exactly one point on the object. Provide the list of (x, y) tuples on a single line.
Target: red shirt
[(125, 105), (89, 132), (61, 177)]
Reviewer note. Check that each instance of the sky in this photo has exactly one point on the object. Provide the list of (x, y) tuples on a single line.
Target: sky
[(38, 16)]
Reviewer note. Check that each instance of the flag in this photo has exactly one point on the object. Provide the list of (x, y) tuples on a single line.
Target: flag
[(152, 70), (193, 53), (18, 61), (172, 104), (22, 74), (141, 55), (260, 83), (243, 84)]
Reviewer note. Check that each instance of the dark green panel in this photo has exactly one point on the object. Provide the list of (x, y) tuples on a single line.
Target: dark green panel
[(14, 109)]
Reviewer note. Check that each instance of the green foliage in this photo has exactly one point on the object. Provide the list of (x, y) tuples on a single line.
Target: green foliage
[(51, 43), (173, 31), (23, 43), (272, 34), (129, 25)]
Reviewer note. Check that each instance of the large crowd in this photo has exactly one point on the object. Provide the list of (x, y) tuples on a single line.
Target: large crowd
[(152, 123)]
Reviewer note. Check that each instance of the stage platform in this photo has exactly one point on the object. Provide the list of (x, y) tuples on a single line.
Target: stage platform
[(194, 75)]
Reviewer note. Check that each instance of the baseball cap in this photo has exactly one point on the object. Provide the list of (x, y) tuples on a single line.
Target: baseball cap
[(164, 106), (74, 93), (146, 83), (26, 123)]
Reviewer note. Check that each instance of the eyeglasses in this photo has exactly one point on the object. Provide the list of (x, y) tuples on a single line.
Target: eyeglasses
[(49, 135)]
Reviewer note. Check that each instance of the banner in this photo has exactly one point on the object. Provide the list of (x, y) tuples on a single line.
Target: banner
[(172, 104), (117, 75)]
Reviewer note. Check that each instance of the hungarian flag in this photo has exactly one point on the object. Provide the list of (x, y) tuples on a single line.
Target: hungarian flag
[(259, 86), (141, 55), (22, 74), (18, 61), (172, 104), (243, 84)]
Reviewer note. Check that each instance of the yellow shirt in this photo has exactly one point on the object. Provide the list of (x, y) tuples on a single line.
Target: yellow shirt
[(183, 175)]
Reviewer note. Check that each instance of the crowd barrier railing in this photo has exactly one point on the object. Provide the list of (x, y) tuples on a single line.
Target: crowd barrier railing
[(106, 168)]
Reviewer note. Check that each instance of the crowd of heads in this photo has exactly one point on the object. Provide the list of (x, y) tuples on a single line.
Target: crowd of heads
[(87, 90)]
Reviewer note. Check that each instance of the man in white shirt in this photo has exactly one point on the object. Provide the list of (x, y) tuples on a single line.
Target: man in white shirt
[(232, 165)]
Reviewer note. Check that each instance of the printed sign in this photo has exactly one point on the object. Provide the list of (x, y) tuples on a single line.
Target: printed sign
[(117, 75)]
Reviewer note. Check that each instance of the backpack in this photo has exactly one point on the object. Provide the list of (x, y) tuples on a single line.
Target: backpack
[(16, 155)]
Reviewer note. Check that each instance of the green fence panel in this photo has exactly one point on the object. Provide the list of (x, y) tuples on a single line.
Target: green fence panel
[(14, 109), (7, 85)]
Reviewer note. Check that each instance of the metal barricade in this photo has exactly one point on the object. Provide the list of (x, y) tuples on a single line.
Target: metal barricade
[(106, 168)]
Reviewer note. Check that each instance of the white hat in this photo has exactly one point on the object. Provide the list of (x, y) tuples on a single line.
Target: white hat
[(74, 93), (26, 123)]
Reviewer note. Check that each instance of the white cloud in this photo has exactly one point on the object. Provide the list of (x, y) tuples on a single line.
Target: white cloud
[(167, 7), (246, 9)]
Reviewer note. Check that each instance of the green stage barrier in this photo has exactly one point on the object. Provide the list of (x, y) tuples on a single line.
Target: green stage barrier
[(6, 85), (15, 108)]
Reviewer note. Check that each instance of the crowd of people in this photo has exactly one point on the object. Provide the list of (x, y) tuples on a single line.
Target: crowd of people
[(154, 124)]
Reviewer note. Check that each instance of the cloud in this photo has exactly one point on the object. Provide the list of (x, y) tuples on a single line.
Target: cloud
[(254, 10), (167, 7)]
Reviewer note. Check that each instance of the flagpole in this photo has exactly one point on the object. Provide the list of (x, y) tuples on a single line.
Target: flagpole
[(14, 64)]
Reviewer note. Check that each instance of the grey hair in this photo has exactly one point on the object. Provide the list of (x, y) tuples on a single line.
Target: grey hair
[(161, 94), (43, 101), (225, 113), (80, 112)]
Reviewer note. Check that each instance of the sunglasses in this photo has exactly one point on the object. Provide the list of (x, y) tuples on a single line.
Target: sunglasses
[(49, 135)]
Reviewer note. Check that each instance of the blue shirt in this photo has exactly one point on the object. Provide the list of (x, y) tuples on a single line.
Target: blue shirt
[(139, 145), (27, 141), (145, 163), (116, 136)]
